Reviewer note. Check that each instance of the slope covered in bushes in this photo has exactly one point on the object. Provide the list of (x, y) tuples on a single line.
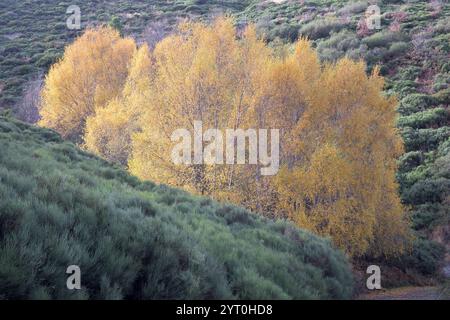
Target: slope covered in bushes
[(412, 49), (60, 206)]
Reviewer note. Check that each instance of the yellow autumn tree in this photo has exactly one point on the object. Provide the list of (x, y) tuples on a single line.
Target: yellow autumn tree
[(109, 131), (337, 133), (204, 74), (342, 180), (91, 72), (314, 196), (338, 141), (281, 98)]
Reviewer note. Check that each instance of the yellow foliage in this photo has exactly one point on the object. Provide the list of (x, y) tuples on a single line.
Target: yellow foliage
[(91, 73), (319, 195), (348, 192), (203, 74), (338, 139), (109, 131)]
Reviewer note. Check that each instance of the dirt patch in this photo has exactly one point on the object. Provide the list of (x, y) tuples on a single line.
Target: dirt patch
[(407, 293)]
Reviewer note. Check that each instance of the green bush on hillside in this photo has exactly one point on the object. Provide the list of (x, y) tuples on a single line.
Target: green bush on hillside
[(424, 139), (416, 102), (426, 256), (321, 28), (383, 39), (428, 118), (410, 160), (338, 45)]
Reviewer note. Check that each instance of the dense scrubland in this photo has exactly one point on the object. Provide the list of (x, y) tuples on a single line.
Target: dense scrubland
[(411, 49), (137, 240), (124, 103)]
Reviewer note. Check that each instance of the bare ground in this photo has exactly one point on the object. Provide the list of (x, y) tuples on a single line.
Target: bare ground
[(409, 293)]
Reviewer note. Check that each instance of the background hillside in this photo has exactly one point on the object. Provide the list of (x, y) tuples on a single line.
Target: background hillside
[(412, 48)]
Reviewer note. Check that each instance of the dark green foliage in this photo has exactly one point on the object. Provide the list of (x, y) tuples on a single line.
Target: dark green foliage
[(428, 191), (116, 24), (383, 39), (60, 206), (425, 183), (410, 160), (441, 81), (418, 265), (428, 215), (415, 103), (430, 118), (321, 28), (424, 139), (339, 45), (443, 96), (426, 256), (396, 49), (284, 31)]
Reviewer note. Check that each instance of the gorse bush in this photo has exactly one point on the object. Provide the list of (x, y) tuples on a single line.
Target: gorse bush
[(396, 49), (424, 139), (415, 103), (420, 120), (338, 45), (60, 206), (383, 39), (426, 256), (321, 28)]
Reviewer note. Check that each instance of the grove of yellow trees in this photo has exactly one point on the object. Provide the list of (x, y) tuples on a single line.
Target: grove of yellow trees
[(338, 141)]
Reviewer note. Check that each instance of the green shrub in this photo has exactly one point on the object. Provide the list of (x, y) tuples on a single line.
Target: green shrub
[(404, 88), (408, 73), (425, 256), (354, 7), (441, 82), (338, 45), (443, 96), (416, 102), (428, 191), (410, 160), (424, 139), (432, 117), (442, 26), (321, 28), (383, 39), (397, 49), (426, 216)]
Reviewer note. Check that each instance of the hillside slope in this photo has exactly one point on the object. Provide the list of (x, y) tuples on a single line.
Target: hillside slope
[(33, 34), (411, 46), (60, 206)]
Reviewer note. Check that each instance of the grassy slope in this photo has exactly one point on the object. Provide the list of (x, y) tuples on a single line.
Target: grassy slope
[(61, 206)]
